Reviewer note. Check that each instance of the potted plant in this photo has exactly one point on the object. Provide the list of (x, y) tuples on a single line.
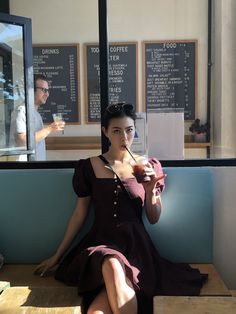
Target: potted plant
[(199, 130)]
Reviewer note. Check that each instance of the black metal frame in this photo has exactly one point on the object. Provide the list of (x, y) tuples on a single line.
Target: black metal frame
[(6, 54), (69, 164), (25, 23), (104, 64), (5, 6), (209, 65)]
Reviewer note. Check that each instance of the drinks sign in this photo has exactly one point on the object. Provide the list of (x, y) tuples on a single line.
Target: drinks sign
[(59, 63)]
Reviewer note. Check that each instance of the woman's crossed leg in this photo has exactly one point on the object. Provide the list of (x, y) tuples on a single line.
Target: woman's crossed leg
[(119, 295)]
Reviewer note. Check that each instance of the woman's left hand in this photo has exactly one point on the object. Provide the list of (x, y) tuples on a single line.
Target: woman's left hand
[(149, 186)]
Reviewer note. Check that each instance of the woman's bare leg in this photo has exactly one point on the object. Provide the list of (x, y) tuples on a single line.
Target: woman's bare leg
[(100, 304), (121, 294)]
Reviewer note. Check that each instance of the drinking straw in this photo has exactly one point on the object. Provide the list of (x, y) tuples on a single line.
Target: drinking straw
[(130, 153)]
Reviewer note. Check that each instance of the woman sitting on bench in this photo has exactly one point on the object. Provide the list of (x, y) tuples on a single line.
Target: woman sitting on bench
[(116, 267)]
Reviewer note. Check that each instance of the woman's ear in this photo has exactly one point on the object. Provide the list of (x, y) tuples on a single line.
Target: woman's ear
[(104, 131)]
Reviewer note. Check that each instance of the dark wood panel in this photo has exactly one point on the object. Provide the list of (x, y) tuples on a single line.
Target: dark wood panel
[(91, 142)]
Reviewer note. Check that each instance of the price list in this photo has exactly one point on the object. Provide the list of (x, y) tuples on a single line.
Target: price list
[(122, 77), (60, 65), (170, 77)]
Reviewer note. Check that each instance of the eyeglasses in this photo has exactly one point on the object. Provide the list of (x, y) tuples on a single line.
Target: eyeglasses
[(44, 90), (119, 107)]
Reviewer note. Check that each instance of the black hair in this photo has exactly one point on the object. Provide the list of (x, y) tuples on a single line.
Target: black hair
[(123, 112), (39, 77)]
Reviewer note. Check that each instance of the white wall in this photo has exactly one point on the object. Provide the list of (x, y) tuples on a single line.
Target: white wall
[(224, 251)]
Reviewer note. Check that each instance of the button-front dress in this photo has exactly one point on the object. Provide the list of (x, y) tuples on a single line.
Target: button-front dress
[(118, 230)]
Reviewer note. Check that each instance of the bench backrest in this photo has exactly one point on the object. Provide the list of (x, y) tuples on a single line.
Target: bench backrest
[(35, 206)]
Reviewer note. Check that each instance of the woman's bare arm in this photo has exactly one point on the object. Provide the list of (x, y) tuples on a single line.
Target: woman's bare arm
[(73, 228)]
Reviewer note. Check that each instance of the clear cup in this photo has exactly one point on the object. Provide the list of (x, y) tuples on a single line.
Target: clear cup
[(138, 168), (57, 118)]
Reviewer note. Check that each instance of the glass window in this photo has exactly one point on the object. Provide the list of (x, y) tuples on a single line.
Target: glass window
[(179, 56), (13, 95)]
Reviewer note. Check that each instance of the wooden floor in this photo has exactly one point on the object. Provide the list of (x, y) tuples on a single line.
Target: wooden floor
[(31, 294)]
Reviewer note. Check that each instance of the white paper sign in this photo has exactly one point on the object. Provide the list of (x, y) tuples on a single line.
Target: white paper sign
[(166, 135), (139, 145)]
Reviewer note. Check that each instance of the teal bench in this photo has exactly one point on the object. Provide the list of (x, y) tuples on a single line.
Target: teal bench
[(37, 204)]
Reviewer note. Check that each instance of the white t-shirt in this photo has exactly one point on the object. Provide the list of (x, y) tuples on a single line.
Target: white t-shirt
[(40, 149)]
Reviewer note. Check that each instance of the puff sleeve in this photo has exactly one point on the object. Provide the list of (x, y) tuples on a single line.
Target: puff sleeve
[(158, 169), (80, 180)]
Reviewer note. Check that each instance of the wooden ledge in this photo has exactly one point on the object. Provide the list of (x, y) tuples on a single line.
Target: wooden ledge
[(23, 275), (197, 145), (91, 142), (34, 294), (215, 284), (194, 305), (214, 297), (40, 300), (73, 142)]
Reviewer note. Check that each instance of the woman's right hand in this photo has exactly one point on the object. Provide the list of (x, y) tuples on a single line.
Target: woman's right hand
[(48, 265)]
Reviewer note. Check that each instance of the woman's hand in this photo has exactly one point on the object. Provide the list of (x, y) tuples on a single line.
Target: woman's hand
[(150, 186), (48, 265), (153, 200)]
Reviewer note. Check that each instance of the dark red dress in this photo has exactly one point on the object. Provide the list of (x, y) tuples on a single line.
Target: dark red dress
[(118, 230)]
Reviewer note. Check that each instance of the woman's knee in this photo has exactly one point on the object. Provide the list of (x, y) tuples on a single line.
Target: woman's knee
[(114, 273), (111, 265)]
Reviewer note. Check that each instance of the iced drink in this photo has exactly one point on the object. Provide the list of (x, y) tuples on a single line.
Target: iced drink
[(58, 118), (138, 169)]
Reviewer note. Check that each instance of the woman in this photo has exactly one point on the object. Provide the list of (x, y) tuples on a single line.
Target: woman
[(116, 267)]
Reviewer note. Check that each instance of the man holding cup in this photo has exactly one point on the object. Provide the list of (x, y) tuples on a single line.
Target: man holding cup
[(41, 93)]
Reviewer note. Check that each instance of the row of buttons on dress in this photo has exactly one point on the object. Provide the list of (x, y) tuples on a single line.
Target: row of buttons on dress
[(116, 192)]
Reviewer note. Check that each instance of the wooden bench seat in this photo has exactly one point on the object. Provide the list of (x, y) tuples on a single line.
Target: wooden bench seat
[(215, 285), (40, 300), (22, 275), (31, 294), (194, 305)]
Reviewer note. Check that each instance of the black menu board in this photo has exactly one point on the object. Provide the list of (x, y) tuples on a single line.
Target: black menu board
[(170, 76), (59, 63), (122, 77)]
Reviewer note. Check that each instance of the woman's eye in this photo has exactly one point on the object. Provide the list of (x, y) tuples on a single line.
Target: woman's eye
[(116, 131), (130, 130)]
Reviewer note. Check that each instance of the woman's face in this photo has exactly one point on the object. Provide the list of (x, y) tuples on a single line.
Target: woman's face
[(120, 132)]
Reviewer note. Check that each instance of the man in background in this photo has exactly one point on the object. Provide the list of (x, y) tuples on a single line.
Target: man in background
[(41, 93)]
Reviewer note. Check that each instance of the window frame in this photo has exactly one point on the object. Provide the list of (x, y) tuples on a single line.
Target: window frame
[(224, 162), (26, 25)]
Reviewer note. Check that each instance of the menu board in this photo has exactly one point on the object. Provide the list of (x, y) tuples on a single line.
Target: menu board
[(59, 63), (122, 77), (170, 77)]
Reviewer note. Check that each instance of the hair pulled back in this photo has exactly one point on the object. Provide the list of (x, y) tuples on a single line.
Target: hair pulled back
[(118, 110)]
